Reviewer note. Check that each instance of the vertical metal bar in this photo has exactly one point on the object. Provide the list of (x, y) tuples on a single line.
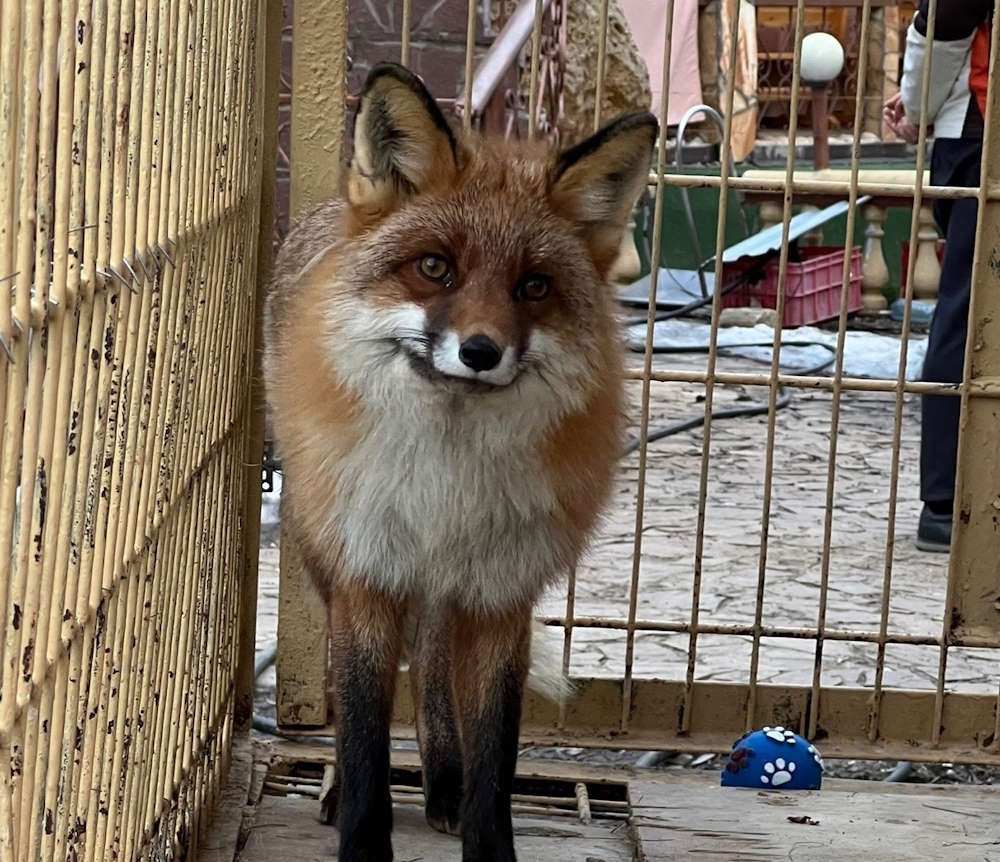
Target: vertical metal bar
[(772, 400), (178, 726), (897, 425), (255, 409), (151, 321), (51, 459), (568, 618), (12, 586), (123, 319), (205, 350), (536, 60), (185, 434), (135, 749), (166, 185), (319, 60), (74, 629), (841, 341), (172, 672), (13, 128), (706, 449), (10, 48), (64, 472), (177, 527), (180, 217), (301, 668), (470, 55), (602, 61), (404, 45), (117, 577), (153, 651), (39, 425), (970, 603), (34, 256), (647, 367)]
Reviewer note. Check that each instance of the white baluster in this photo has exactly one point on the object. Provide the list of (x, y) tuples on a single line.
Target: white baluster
[(874, 272)]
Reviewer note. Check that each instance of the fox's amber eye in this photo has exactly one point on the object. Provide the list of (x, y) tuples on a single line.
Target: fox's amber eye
[(534, 288), (435, 268)]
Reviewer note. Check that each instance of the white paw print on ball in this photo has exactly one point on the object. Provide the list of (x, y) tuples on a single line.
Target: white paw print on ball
[(816, 757), (777, 773), (779, 734)]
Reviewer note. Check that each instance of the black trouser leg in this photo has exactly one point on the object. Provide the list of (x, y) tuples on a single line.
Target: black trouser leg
[(945, 360), (955, 162)]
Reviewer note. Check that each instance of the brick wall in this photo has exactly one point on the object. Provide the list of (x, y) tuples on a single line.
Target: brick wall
[(437, 55), (282, 178), (437, 41)]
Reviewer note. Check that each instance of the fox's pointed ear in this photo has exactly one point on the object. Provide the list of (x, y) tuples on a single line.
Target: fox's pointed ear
[(402, 142), (597, 182)]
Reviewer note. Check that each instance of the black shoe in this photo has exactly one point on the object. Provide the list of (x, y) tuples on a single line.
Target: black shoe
[(934, 531)]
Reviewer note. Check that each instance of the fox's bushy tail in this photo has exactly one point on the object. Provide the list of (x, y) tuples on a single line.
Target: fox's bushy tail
[(545, 675)]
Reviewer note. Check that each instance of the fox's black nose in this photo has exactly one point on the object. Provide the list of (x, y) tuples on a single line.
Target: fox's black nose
[(480, 353)]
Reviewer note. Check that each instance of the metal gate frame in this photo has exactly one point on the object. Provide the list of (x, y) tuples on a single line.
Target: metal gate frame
[(685, 714)]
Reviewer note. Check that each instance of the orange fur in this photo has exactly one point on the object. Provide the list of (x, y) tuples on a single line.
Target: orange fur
[(427, 483)]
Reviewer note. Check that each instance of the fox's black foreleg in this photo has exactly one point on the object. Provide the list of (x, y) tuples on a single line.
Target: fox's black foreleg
[(366, 635), (491, 664), (437, 726)]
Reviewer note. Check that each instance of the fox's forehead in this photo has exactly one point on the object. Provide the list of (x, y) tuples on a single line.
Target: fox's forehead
[(498, 209), (526, 162)]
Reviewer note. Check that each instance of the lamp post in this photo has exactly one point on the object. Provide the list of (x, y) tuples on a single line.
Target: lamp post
[(822, 62)]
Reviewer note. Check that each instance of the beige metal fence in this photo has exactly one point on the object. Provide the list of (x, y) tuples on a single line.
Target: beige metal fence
[(944, 720), (130, 135)]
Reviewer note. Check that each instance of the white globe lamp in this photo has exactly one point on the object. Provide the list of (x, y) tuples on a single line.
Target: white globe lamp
[(822, 63), (822, 59)]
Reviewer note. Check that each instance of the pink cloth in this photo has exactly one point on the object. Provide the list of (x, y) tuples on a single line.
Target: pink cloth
[(647, 20)]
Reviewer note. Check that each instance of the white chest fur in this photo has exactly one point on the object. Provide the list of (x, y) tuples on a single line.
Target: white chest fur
[(449, 500), (445, 495)]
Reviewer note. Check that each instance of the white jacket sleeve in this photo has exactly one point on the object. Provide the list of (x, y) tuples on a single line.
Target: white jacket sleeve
[(948, 62)]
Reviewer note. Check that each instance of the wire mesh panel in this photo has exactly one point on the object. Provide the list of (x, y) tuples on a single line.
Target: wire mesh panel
[(945, 717), (786, 558), (129, 197)]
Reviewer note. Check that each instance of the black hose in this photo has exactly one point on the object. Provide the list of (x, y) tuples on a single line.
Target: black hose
[(682, 311), (901, 772), (755, 409), (264, 658)]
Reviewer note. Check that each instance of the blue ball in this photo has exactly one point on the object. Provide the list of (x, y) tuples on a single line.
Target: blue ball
[(773, 758)]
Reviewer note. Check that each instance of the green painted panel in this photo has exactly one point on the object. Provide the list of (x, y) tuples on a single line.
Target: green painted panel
[(677, 251)]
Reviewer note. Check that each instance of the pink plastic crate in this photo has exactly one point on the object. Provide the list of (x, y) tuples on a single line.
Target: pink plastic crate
[(812, 286)]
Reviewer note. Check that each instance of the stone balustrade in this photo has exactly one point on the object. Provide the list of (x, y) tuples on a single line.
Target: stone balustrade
[(875, 272)]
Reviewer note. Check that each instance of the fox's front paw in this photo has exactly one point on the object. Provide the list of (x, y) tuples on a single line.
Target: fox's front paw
[(489, 854), (365, 848), (443, 810)]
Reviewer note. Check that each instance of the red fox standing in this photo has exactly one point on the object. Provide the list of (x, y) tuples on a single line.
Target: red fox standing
[(444, 374)]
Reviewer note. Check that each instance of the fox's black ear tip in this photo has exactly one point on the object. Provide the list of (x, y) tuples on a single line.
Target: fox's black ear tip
[(386, 69), (638, 120)]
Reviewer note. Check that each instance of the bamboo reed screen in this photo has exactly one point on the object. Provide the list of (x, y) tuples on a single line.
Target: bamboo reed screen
[(129, 196)]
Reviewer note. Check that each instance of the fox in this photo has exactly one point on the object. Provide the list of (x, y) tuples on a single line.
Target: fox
[(444, 378)]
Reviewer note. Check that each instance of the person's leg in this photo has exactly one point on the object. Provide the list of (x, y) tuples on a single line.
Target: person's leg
[(944, 363)]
